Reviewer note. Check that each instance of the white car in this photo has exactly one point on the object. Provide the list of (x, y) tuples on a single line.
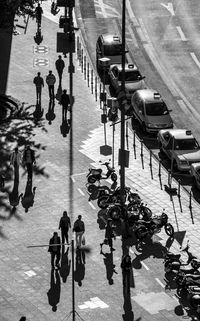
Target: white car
[(195, 173), (150, 110), (133, 79), (180, 146)]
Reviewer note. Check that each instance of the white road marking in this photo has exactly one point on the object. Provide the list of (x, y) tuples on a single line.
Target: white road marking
[(195, 59), (92, 206), (182, 105), (81, 192), (180, 31), (145, 266), (169, 7), (163, 286), (30, 273)]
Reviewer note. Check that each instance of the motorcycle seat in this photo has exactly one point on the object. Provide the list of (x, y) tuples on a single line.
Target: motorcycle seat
[(95, 171), (172, 255), (193, 276)]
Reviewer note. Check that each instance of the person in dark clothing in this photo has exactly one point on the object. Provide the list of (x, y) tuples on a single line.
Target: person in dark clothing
[(29, 160), (79, 229), (64, 225), (109, 235), (65, 102), (55, 250), (39, 83), (126, 266), (60, 65)]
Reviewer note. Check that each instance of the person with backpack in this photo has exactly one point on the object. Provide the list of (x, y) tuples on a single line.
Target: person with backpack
[(64, 225), (79, 229)]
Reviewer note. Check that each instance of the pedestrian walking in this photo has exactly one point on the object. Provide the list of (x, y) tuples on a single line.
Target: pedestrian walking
[(39, 83), (29, 160), (54, 249), (50, 80), (79, 229), (109, 235), (64, 225), (15, 160), (65, 102), (60, 65)]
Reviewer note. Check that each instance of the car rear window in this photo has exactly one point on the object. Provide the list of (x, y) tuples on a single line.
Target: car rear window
[(186, 144), (133, 75), (113, 50), (156, 109)]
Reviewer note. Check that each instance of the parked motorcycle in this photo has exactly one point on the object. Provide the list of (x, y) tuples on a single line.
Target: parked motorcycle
[(193, 297), (115, 197), (95, 174), (154, 225), (184, 280), (173, 263), (97, 191), (136, 208)]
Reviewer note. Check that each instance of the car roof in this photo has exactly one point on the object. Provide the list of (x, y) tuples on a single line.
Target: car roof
[(180, 133), (149, 95), (128, 67), (111, 38)]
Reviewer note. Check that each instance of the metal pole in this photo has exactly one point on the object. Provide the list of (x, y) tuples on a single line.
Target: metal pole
[(122, 160), (73, 287)]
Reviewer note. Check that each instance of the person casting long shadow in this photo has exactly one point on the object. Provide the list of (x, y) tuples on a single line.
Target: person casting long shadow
[(14, 196), (79, 273), (65, 265), (54, 291), (38, 112), (28, 197), (110, 267), (50, 115)]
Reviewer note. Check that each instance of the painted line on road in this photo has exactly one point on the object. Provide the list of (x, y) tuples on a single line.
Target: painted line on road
[(163, 286), (180, 31), (145, 266), (81, 192), (92, 206), (197, 62)]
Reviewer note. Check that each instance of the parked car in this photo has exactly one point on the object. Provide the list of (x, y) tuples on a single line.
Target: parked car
[(133, 79), (150, 110), (109, 46), (195, 173), (180, 146)]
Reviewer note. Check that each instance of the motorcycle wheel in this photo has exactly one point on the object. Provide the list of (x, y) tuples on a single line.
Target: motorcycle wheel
[(92, 188), (114, 213), (141, 232), (146, 213), (91, 179), (103, 202), (169, 230), (113, 177)]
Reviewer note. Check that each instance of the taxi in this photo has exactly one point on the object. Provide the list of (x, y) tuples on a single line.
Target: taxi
[(195, 173), (148, 107), (180, 146), (133, 79)]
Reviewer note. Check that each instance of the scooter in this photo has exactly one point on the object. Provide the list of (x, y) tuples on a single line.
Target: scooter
[(173, 263), (184, 280), (154, 225), (95, 174), (193, 296), (97, 191)]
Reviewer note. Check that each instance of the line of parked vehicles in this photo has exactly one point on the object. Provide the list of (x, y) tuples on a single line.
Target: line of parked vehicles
[(149, 109)]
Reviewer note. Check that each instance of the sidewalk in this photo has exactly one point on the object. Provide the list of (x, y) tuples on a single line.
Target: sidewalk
[(25, 276)]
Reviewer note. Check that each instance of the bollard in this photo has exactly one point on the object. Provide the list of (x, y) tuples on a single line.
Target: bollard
[(100, 95), (141, 153), (169, 178), (95, 88), (159, 168), (150, 163), (88, 74), (179, 188), (77, 46), (92, 81), (82, 60), (84, 67), (190, 200)]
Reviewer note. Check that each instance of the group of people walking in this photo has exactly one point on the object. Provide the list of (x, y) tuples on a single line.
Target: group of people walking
[(55, 241), (27, 159)]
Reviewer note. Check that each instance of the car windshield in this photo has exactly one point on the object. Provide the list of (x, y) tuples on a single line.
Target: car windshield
[(133, 75), (113, 50), (156, 109), (186, 144)]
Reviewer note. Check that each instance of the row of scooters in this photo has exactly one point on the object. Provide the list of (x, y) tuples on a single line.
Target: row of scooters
[(127, 207), (186, 275)]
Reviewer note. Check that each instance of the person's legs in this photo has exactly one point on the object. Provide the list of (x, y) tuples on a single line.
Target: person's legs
[(63, 236), (57, 258), (49, 87), (66, 236), (39, 93), (52, 258)]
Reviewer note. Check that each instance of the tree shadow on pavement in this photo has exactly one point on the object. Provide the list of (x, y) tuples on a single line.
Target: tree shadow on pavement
[(18, 132)]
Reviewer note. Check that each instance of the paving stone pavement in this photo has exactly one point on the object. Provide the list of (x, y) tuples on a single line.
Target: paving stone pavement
[(25, 278)]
